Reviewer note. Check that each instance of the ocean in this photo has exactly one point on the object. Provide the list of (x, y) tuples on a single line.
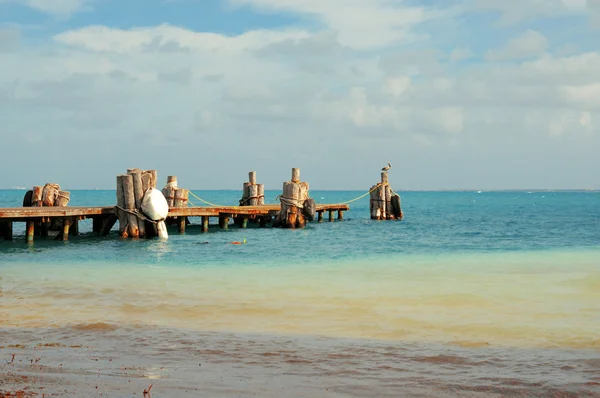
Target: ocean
[(474, 294)]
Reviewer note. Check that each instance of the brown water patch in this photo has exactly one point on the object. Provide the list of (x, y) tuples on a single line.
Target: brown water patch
[(95, 327), (444, 359)]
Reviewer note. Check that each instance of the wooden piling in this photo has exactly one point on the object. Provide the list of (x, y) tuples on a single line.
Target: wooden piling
[(253, 195), (388, 203), (169, 190), (383, 201), (224, 221), (340, 215), (320, 216), (295, 175), (261, 194), (6, 230), (205, 223), (62, 198), (66, 228), (36, 198), (331, 219), (128, 193), (121, 214), (49, 194), (30, 230), (74, 227), (97, 225), (181, 200), (293, 199), (138, 195)]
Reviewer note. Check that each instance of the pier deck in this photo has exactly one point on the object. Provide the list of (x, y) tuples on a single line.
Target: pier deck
[(105, 217)]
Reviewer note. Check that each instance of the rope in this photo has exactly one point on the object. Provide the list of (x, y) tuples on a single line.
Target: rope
[(138, 214), (204, 201), (292, 201), (245, 200), (362, 196)]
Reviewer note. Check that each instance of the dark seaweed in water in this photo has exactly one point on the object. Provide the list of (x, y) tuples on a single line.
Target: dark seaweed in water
[(103, 359)]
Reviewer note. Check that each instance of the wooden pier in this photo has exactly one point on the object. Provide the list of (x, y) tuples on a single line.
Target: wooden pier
[(104, 218)]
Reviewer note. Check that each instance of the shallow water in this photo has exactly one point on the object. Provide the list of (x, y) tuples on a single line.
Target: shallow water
[(473, 294)]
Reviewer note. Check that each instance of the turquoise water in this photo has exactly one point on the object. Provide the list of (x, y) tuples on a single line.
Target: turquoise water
[(435, 223), (477, 278)]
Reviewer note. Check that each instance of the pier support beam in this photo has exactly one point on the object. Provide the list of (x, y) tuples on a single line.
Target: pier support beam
[(181, 221), (340, 215), (107, 224), (320, 216), (30, 231), (224, 222), (6, 230), (74, 228), (205, 222), (97, 225), (66, 228), (331, 216)]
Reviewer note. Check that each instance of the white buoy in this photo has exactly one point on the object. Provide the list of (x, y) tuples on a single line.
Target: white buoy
[(154, 205)]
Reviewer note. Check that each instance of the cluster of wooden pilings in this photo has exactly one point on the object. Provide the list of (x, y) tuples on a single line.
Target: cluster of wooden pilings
[(50, 195), (385, 204), (130, 192), (253, 194), (296, 205), (176, 198)]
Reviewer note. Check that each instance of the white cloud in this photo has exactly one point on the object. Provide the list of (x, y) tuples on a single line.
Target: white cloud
[(459, 54), (360, 24), (529, 44), (512, 12), (295, 96), (62, 8)]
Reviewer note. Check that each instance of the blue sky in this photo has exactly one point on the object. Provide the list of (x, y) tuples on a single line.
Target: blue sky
[(457, 94)]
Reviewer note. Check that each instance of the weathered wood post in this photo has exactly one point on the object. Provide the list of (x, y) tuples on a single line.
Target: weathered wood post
[(169, 190), (261, 194), (149, 182), (181, 200), (6, 230), (120, 209), (253, 194), (205, 222), (384, 203), (49, 194), (128, 193), (138, 195), (36, 198), (30, 225), (293, 199)]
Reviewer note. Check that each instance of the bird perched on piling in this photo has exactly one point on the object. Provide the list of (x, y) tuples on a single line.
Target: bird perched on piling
[(386, 168)]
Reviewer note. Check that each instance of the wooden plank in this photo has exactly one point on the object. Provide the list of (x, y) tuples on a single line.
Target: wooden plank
[(24, 213)]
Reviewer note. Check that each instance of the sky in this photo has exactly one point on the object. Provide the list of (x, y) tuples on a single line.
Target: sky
[(456, 94)]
